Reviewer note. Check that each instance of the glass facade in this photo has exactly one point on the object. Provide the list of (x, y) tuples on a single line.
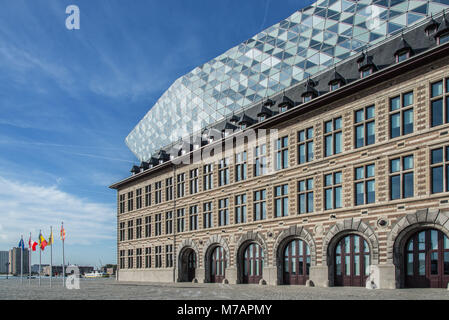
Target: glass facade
[(307, 42)]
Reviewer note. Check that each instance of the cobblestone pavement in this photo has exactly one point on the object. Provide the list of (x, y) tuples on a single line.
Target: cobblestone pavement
[(110, 289)]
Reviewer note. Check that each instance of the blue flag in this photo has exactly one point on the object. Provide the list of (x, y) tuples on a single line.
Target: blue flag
[(21, 244)]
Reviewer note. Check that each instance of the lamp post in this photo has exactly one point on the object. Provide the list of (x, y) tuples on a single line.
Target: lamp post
[(7, 269)]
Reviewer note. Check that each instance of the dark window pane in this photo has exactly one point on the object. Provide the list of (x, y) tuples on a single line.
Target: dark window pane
[(408, 185), (437, 155), (359, 116), (369, 112), (337, 124), (338, 197), (309, 151), (395, 125), (370, 171), (359, 193), (371, 193), (328, 200), (328, 146), (359, 136), (338, 143), (370, 133), (437, 179), (408, 163), (437, 112), (408, 121), (302, 153), (395, 187), (408, 99), (437, 89), (395, 103), (359, 173), (310, 202), (328, 127)]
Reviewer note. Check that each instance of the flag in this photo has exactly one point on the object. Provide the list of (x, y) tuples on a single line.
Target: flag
[(42, 242), (33, 245), (62, 233), (21, 244), (50, 239)]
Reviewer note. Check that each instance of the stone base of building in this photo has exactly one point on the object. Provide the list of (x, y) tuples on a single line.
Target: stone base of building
[(159, 275), (382, 276), (319, 276)]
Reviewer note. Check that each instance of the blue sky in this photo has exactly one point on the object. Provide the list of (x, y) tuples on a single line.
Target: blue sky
[(68, 99)]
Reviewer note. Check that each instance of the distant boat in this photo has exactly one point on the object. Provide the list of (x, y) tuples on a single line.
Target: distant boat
[(95, 274)]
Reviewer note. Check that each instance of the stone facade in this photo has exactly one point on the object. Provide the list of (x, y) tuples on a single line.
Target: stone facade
[(385, 224)]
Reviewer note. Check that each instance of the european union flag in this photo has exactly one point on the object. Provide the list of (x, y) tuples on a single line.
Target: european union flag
[(21, 244)]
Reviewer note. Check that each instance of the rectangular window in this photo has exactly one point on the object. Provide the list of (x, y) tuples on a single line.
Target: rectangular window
[(439, 94), (180, 223), (148, 196), (158, 192), (122, 259), (147, 226), (208, 180), (240, 166), (158, 256), (364, 185), (158, 224), (148, 257), (401, 115), (139, 228), (169, 222), (260, 206), (180, 185), (168, 189), (193, 218), (305, 145), (223, 172), (305, 196), (139, 260), (207, 215), (193, 181), (281, 201), (401, 178), (282, 153), (138, 198), (260, 160), (332, 137), (439, 169), (130, 258), (130, 201), (364, 127), (130, 230), (223, 212), (169, 256), (122, 203), (333, 191), (240, 208), (122, 231)]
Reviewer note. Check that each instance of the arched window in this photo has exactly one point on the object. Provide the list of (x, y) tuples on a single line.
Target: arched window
[(296, 262), (352, 261), (218, 265), (253, 263), (427, 260)]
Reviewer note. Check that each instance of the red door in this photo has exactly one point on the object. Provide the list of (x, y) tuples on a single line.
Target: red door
[(427, 260), (296, 262), (352, 261), (253, 264), (218, 265)]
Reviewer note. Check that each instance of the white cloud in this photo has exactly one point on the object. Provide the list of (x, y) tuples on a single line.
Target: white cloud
[(26, 208)]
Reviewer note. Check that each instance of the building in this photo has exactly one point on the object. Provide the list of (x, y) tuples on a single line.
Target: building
[(55, 270), (15, 261), (35, 268), (4, 260), (339, 178)]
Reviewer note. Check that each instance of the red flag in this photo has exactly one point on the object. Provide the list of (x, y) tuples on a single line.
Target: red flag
[(33, 246)]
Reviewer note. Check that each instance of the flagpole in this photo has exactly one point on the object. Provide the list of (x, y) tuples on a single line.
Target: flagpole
[(51, 254), (29, 260), (21, 262), (63, 257), (40, 256)]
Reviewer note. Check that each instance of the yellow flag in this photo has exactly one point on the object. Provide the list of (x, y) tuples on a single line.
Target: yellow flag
[(50, 239)]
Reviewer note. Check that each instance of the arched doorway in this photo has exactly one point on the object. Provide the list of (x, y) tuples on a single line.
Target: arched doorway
[(218, 265), (427, 260), (253, 263), (296, 262), (352, 261), (187, 265)]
